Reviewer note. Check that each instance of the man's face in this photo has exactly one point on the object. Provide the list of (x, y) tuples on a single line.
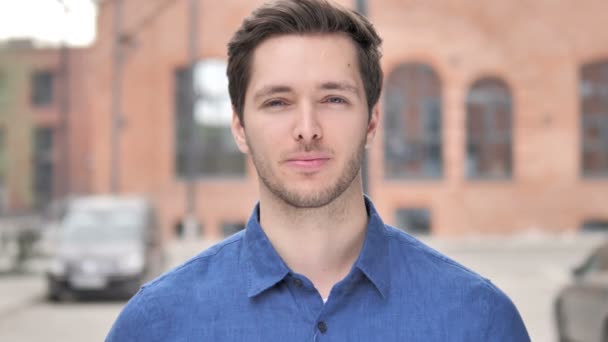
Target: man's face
[(305, 118)]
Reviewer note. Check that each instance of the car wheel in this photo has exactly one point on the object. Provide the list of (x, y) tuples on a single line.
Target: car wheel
[(58, 295), (52, 297), (52, 291)]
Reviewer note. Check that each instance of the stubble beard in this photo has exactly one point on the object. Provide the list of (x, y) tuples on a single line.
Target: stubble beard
[(322, 197)]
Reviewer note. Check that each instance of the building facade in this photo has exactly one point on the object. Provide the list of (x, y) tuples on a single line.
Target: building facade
[(41, 100), (494, 114)]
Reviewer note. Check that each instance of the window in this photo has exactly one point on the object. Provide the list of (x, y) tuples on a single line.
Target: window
[(43, 166), (412, 138), (3, 172), (414, 220), (489, 130), (42, 88), (230, 228), (179, 229), (595, 226), (214, 150), (3, 87), (593, 92)]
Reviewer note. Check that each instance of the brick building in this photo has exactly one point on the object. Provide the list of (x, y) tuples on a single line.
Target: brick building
[(38, 161), (495, 114)]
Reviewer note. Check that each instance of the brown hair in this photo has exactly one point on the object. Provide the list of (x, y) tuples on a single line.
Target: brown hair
[(284, 17)]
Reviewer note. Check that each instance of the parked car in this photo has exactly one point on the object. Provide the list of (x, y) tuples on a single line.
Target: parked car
[(581, 308), (105, 245)]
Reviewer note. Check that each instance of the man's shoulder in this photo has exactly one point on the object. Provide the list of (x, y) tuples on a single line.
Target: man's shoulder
[(206, 266), (181, 293), (432, 265), (431, 277)]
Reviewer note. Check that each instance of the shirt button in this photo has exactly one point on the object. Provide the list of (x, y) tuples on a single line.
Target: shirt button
[(322, 327), (297, 282)]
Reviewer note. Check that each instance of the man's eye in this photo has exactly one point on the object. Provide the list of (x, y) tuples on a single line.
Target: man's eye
[(275, 103), (334, 99)]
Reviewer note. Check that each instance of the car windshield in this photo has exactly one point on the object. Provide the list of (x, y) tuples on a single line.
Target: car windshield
[(94, 225)]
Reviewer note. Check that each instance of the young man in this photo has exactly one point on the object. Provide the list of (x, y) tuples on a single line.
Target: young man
[(315, 262)]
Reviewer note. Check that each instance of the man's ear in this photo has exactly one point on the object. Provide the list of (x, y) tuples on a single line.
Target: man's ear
[(238, 132), (372, 125)]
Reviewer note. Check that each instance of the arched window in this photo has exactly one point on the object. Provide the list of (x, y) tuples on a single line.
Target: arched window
[(412, 129), (594, 123), (489, 130)]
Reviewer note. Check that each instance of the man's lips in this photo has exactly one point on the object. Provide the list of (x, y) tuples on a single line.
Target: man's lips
[(307, 161)]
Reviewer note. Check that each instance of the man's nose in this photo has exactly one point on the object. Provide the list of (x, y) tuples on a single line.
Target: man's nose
[(307, 127)]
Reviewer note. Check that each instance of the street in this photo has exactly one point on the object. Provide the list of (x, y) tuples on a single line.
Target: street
[(530, 269)]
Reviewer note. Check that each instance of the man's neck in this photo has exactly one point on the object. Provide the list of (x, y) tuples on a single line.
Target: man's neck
[(321, 243)]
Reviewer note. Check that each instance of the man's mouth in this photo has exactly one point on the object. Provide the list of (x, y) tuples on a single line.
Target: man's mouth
[(308, 162)]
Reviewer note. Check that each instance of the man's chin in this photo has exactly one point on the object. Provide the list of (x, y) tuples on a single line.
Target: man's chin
[(307, 200)]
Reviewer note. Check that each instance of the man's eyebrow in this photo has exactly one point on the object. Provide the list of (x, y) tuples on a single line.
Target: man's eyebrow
[(271, 90), (340, 86)]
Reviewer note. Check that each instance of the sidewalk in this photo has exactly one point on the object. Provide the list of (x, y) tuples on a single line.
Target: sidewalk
[(525, 241), (18, 291)]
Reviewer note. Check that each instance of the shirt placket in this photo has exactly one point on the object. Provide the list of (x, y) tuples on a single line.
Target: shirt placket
[(309, 303)]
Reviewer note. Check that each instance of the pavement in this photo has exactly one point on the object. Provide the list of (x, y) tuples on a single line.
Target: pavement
[(18, 291)]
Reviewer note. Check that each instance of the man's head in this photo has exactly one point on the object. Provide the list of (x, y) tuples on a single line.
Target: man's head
[(305, 80), (302, 17)]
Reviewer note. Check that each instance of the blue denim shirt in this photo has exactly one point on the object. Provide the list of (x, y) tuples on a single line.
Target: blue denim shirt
[(398, 290)]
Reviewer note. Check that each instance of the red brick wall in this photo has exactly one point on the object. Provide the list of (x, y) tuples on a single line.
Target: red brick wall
[(536, 47)]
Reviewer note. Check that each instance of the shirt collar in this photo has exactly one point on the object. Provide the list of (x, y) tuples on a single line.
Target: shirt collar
[(374, 259), (265, 268)]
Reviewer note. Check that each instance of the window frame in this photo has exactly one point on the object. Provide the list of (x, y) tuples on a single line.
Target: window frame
[(593, 118), (429, 115), (497, 138), (43, 160), (42, 95), (180, 160)]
